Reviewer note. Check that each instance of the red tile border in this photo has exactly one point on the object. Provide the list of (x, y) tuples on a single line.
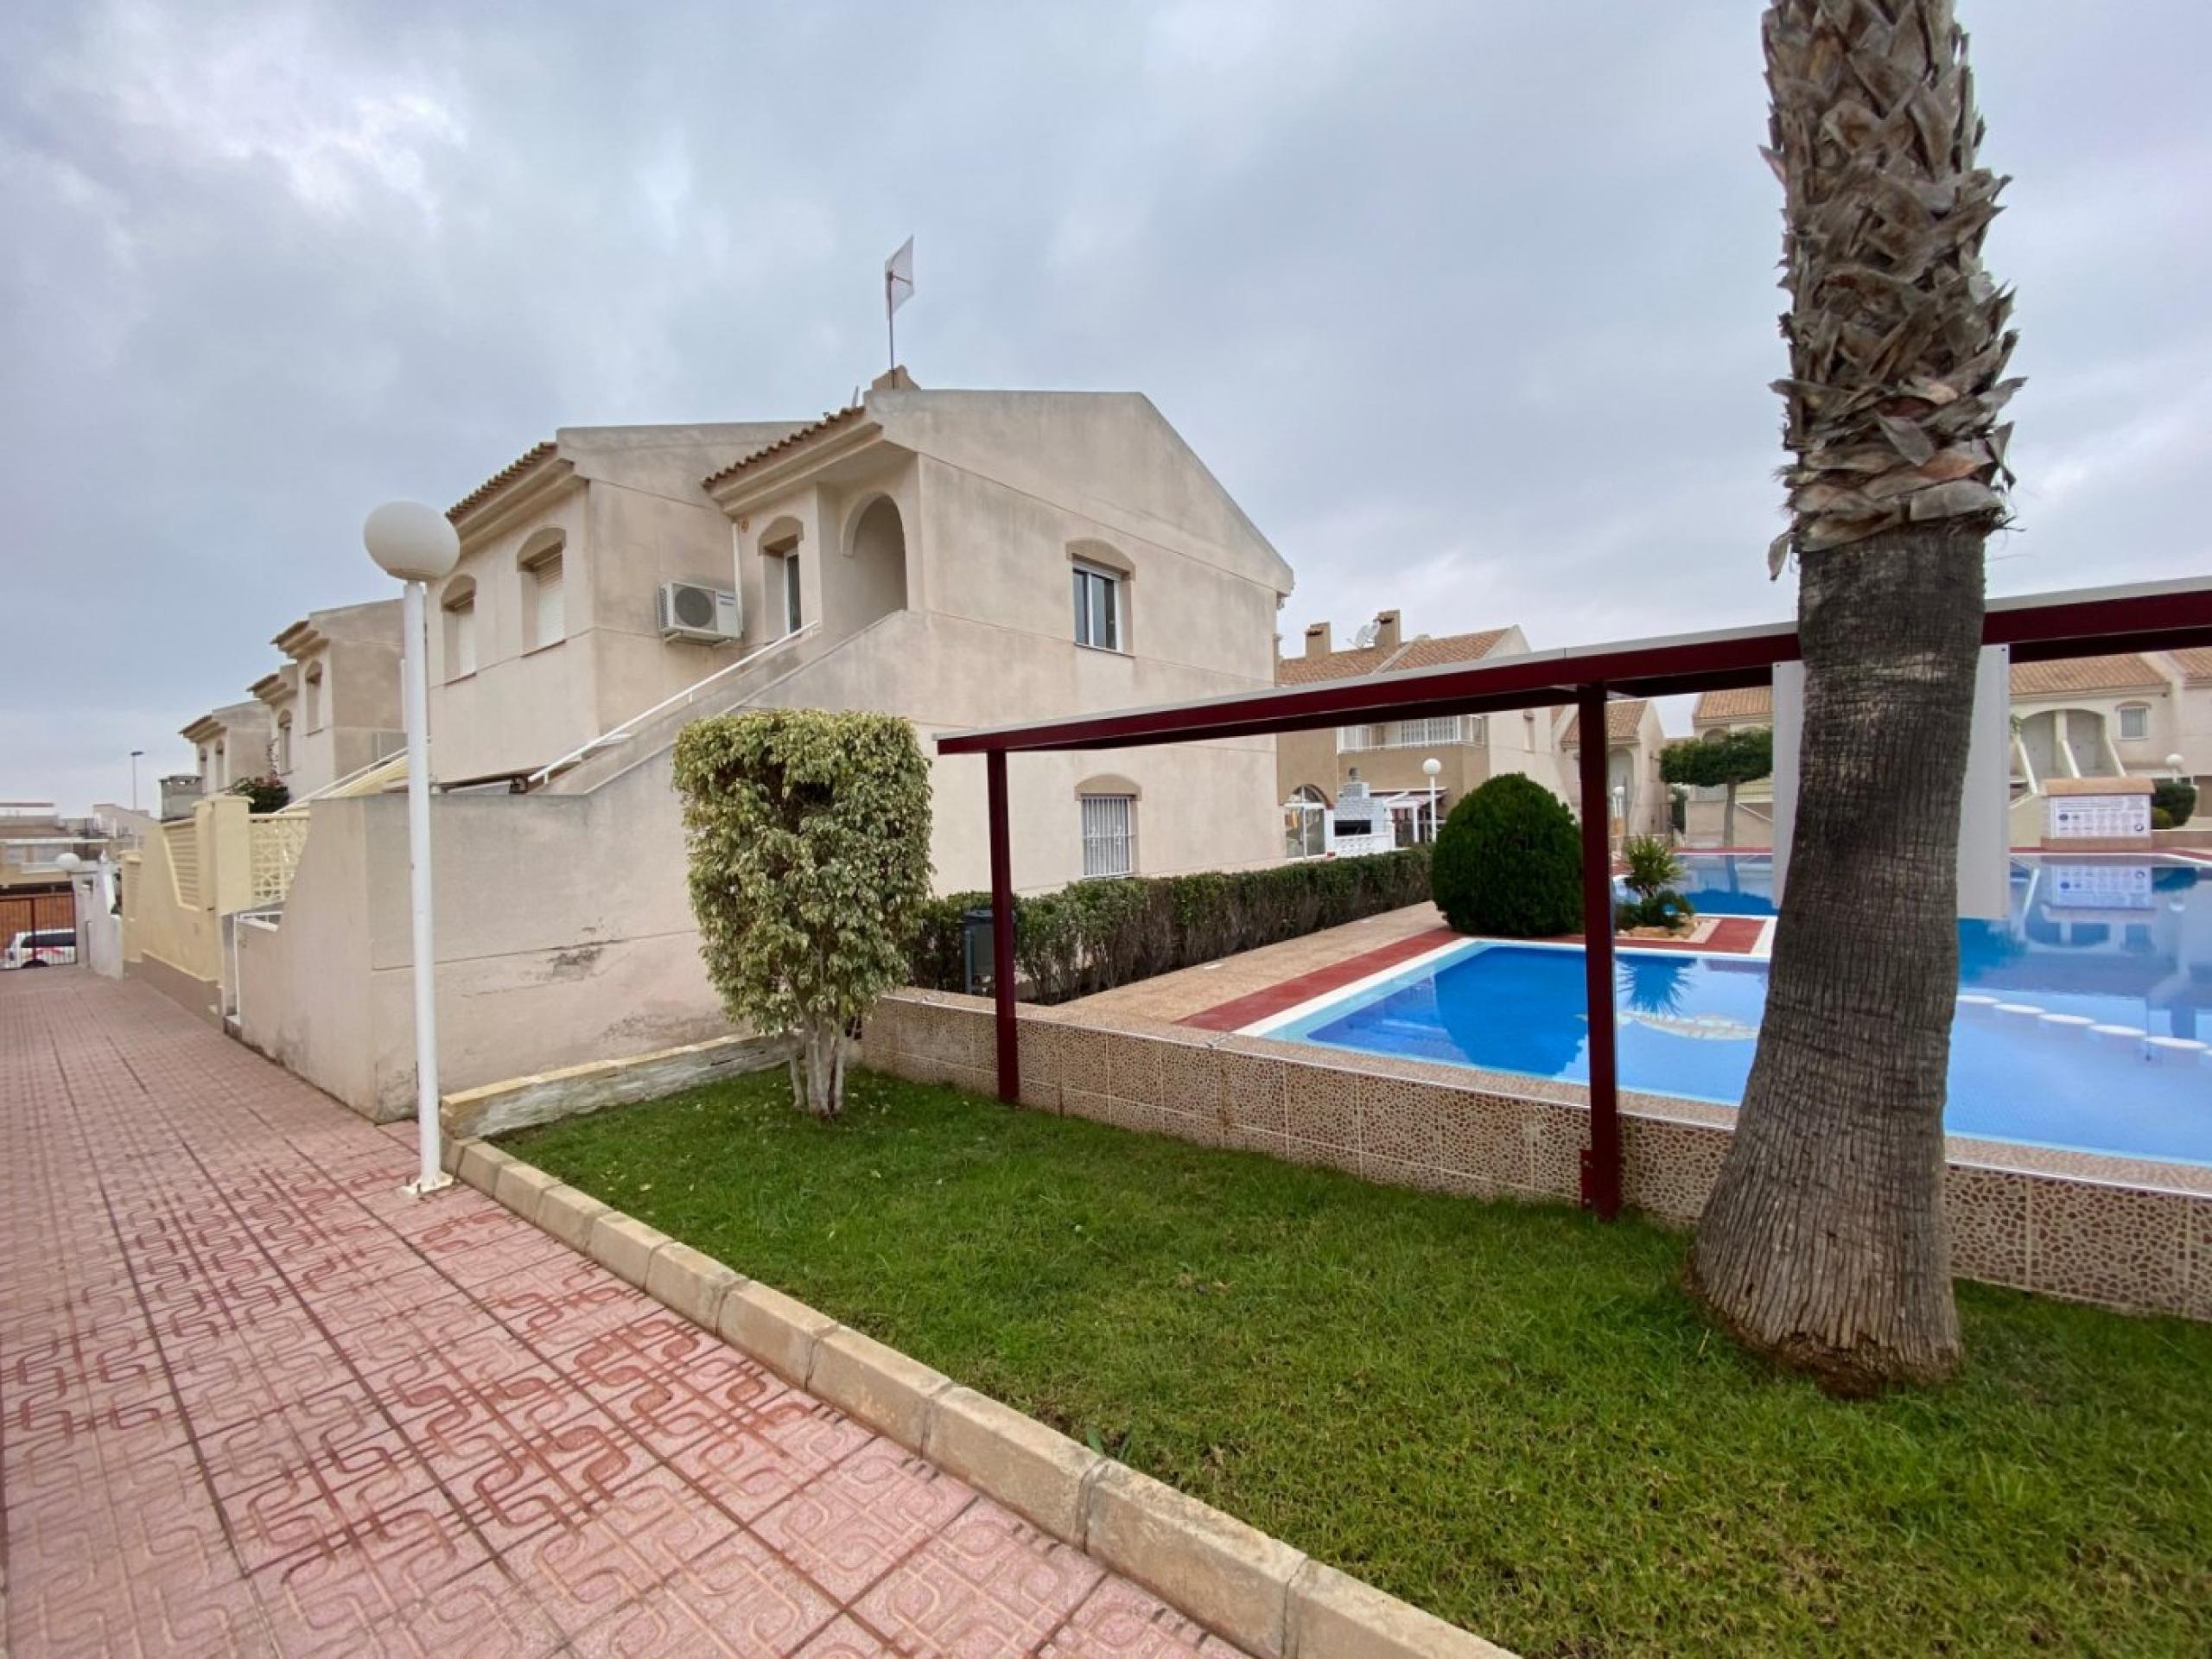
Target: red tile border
[(1242, 1011)]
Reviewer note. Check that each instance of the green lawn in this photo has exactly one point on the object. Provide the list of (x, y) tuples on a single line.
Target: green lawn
[(1507, 1414)]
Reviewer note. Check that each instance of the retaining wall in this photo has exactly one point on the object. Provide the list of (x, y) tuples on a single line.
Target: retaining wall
[(2125, 1233)]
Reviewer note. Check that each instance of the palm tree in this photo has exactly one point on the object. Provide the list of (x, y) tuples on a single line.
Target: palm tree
[(1823, 1242)]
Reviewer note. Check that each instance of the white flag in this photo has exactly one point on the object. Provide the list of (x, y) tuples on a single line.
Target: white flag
[(899, 276)]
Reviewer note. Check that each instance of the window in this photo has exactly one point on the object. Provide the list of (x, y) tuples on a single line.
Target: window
[(549, 622), (217, 777), (460, 631), (284, 745), (311, 696), (783, 588), (1110, 835), (1098, 609), (2135, 721)]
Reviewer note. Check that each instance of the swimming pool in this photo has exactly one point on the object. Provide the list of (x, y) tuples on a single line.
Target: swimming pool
[(2082, 1022)]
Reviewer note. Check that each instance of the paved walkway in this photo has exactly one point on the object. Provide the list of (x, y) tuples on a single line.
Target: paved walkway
[(254, 1400)]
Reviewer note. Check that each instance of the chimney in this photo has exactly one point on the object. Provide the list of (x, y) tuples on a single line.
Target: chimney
[(1317, 640), (1386, 630)]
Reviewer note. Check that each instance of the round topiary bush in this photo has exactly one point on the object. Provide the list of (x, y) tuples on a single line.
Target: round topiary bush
[(1508, 862)]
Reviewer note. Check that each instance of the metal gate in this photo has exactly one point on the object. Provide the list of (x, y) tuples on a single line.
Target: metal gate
[(27, 912)]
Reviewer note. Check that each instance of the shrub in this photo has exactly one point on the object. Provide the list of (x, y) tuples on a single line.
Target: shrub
[(2177, 796), (1508, 862), (1652, 865), (262, 794), (2161, 818), (1095, 935), (809, 835), (1663, 908)]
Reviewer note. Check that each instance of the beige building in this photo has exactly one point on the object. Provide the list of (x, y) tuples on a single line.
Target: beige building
[(2126, 715), (1313, 768), (333, 707), (230, 745), (957, 557), (1638, 796)]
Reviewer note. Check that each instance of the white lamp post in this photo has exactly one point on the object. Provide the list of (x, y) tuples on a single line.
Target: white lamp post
[(1620, 810), (418, 545), (1432, 766)]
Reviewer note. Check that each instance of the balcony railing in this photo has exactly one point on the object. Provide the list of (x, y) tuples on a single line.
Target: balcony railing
[(1440, 733)]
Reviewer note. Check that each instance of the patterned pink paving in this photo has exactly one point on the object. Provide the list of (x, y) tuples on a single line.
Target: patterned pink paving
[(255, 1401)]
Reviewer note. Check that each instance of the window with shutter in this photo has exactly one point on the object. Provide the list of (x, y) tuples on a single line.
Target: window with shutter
[(549, 618)]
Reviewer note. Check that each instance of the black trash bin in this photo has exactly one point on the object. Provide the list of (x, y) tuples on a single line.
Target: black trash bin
[(976, 950)]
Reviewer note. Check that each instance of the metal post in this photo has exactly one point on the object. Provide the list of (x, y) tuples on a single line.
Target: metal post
[(1601, 1159), (415, 681), (1009, 1043)]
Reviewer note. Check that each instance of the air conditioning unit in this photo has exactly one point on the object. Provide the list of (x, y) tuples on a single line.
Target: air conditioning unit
[(692, 610)]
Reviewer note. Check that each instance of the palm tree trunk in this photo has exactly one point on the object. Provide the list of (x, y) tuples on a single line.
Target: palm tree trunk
[(1823, 1244)]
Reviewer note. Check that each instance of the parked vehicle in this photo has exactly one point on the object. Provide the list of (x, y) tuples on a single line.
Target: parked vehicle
[(45, 947)]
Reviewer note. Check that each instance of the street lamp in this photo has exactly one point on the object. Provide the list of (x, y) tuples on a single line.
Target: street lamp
[(1432, 766), (1620, 810), (418, 544)]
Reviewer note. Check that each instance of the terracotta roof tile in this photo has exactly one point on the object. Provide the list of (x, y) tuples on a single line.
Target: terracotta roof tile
[(1623, 721), (1369, 659), (832, 417), (2196, 665), (1745, 702), (506, 475), (2125, 672)]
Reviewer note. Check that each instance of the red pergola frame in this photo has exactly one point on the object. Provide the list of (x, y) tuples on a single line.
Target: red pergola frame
[(2084, 623)]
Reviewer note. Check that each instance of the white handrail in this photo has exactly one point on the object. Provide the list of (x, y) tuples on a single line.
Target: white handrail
[(623, 733)]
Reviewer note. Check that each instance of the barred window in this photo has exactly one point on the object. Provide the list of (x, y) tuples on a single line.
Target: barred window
[(1110, 835)]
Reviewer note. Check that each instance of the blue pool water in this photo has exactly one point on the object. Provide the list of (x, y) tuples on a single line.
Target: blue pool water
[(2112, 942)]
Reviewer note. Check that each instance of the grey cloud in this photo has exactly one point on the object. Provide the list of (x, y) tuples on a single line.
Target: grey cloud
[(1471, 306)]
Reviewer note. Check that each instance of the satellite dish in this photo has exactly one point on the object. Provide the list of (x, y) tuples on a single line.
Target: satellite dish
[(1364, 637)]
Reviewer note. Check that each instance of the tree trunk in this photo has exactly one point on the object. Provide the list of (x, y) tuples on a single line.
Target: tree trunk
[(821, 1055), (1823, 1243)]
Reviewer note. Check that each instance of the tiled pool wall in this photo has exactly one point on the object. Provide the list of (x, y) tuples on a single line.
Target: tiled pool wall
[(2123, 1233)]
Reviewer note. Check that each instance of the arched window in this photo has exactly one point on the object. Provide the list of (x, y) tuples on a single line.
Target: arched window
[(311, 696), (1109, 816), (284, 745), (544, 605), (459, 602)]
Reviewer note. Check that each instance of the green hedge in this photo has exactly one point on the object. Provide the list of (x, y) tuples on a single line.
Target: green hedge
[(1095, 935), (1508, 862)]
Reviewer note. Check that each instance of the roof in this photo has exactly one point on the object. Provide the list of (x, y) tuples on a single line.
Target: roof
[(506, 475), (831, 417), (2147, 616), (1624, 721), (2196, 665), (2125, 672), (1424, 653), (1737, 703)]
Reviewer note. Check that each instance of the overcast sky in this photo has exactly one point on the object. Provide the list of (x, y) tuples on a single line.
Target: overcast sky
[(1470, 306)]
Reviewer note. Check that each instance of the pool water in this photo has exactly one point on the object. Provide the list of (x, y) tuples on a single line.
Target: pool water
[(2120, 944)]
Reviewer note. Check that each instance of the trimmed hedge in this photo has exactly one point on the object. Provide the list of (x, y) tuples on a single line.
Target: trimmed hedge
[(1095, 935), (1508, 862)]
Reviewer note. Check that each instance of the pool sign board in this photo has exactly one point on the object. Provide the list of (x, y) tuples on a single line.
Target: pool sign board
[(2098, 814)]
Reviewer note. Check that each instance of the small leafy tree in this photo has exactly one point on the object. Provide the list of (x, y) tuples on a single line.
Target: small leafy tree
[(1722, 760), (809, 836), (264, 794), (1508, 862)]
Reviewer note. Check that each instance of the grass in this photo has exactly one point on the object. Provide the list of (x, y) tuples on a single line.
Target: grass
[(1507, 1414)]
